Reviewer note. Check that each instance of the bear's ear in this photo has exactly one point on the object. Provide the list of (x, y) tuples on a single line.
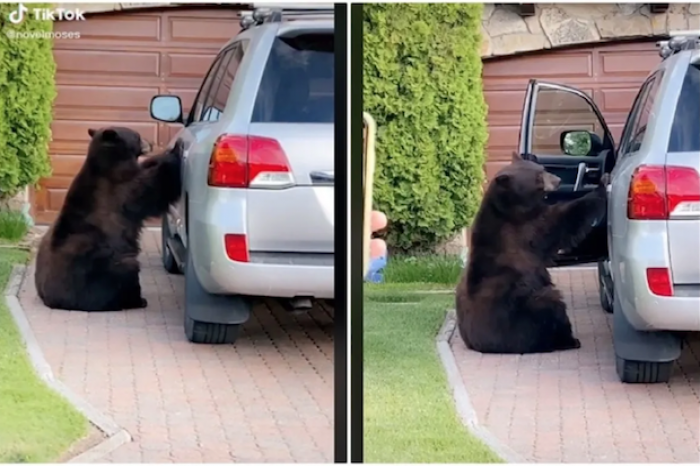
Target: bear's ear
[(502, 180), (109, 135), (92, 132), (515, 157)]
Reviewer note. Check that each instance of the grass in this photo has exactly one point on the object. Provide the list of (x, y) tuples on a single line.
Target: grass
[(409, 413), (13, 225), (36, 424), (441, 270)]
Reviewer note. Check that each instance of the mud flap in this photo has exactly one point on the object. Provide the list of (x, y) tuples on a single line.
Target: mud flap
[(217, 309)]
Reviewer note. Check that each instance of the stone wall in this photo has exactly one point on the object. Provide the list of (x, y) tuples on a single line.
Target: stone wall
[(505, 32)]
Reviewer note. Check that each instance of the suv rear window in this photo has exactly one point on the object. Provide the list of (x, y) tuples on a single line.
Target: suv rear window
[(297, 84), (685, 135)]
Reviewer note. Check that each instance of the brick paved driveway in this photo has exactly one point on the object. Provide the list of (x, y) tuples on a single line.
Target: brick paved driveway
[(570, 407), (269, 398)]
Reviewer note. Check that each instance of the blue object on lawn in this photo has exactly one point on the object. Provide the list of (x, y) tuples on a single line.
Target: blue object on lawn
[(376, 266)]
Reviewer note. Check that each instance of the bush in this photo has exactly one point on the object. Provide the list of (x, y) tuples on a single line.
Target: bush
[(13, 225), (422, 84), (27, 91)]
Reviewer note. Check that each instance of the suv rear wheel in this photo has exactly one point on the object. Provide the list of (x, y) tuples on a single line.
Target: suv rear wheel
[(218, 311), (643, 371), (654, 353)]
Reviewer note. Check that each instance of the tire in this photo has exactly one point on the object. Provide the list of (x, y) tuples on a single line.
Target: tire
[(169, 262), (643, 372), (208, 333), (197, 331), (605, 303)]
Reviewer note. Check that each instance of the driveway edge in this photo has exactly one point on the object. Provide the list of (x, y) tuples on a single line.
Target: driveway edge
[(465, 409), (116, 436)]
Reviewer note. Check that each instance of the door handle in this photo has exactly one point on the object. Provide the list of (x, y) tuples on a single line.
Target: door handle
[(583, 170)]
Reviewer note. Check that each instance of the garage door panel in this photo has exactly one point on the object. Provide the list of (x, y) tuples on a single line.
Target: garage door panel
[(189, 65), (201, 30), (505, 102), (617, 100), (103, 117), (542, 67), (622, 63), (107, 63), (77, 131), (67, 165), (503, 136), (57, 182), (136, 28), (112, 98)]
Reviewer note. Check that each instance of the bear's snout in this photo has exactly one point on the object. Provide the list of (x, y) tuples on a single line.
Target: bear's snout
[(146, 147), (551, 182)]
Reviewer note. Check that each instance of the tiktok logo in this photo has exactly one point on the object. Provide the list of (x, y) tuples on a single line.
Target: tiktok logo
[(17, 16)]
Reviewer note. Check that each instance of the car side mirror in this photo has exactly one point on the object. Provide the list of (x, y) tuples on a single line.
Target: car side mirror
[(166, 108), (577, 143)]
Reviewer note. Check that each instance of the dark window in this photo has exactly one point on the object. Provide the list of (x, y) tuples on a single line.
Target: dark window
[(222, 87), (633, 118), (297, 84), (685, 132), (198, 106), (640, 128)]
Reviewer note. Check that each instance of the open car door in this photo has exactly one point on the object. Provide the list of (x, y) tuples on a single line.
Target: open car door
[(563, 130)]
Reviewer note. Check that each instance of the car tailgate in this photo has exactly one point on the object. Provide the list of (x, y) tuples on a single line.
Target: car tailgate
[(684, 229), (300, 218)]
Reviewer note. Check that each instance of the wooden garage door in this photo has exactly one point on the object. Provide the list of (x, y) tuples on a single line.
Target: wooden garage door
[(108, 76), (612, 74)]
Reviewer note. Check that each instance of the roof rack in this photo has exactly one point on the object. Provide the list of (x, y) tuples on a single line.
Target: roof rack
[(276, 15), (679, 41)]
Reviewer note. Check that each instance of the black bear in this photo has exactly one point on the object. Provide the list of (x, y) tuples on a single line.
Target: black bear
[(506, 301), (88, 261)]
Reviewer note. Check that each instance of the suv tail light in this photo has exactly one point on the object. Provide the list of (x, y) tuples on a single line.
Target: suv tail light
[(659, 281), (663, 192), (236, 247), (249, 162)]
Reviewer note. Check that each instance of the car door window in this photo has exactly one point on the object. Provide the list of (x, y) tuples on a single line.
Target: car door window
[(639, 129), (558, 110), (198, 106), (212, 108), (227, 77), (632, 119)]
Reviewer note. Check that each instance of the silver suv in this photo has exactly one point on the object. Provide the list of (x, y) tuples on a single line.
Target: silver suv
[(257, 208), (647, 248)]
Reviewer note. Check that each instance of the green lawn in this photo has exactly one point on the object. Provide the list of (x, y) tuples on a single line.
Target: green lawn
[(409, 413), (432, 270), (36, 424)]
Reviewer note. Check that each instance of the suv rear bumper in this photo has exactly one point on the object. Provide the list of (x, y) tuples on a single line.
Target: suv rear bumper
[(280, 281), (644, 310), (219, 275)]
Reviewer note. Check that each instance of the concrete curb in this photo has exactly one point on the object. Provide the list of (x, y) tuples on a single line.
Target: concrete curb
[(465, 409), (116, 436)]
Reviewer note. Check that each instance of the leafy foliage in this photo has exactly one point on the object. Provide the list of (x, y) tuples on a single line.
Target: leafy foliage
[(422, 84), (27, 91)]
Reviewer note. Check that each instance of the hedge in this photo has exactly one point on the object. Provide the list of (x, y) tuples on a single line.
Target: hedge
[(27, 91), (422, 84)]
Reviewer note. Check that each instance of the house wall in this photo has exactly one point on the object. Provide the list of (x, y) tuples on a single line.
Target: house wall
[(505, 32)]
